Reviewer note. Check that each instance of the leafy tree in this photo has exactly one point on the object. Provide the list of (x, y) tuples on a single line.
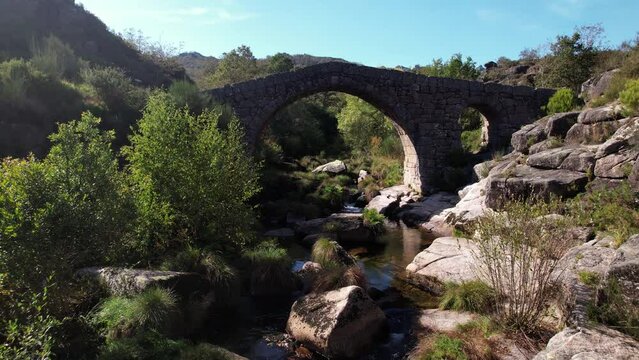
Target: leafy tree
[(67, 210), (280, 62), (114, 89), (185, 93), (54, 58), (235, 66), (571, 60), (191, 179), (359, 122), (456, 67)]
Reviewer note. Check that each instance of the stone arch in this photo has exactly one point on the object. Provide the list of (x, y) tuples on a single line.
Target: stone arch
[(411, 168), (493, 118)]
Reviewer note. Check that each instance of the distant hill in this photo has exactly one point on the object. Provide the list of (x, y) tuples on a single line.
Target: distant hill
[(196, 64), (22, 21)]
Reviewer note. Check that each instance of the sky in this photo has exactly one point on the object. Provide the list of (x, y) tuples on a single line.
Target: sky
[(370, 32)]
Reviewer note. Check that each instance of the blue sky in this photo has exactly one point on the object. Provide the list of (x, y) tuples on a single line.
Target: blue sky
[(372, 32)]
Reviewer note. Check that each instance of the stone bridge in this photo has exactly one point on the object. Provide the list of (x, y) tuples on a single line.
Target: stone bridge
[(424, 110)]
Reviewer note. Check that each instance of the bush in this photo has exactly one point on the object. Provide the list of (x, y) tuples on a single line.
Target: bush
[(563, 100), (330, 254), (373, 220), (629, 97), (185, 93), (54, 58), (359, 122), (125, 317), (473, 296), (114, 89), (270, 267), (149, 345), (519, 251), (70, 209), (192, 179), (445, 348)]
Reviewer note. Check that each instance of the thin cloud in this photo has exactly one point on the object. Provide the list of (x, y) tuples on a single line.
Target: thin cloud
[(199, 14), (489, 14)]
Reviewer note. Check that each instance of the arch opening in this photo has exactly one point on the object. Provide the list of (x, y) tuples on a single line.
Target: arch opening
[(322, 127)]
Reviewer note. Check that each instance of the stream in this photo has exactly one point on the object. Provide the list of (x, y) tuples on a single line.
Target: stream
[(261, 324)]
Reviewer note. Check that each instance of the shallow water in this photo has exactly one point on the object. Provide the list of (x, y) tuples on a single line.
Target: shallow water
[(383, 262)]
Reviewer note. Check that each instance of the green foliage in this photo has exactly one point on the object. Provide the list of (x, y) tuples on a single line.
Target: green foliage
[(359, 122), (26, 326), (279, 62), (373, 220), (337, 277), (235, 66), (563, 100), (54, 58), (589, 278), (270, 267), (68, 210), (629, 97), (456, 67), (330, 254), (191, 179), (472, 140), (185, 93), (609, 210), (114, 89), (473, 296), (149, 311), (615, 310), (445, 348), (148, 345), (571, 61)]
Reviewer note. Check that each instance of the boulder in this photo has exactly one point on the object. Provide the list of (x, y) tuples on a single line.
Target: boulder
[(334, 167), (549, 159), (363, 174), (625, 268), (616, 166), (307, 274), (346, 226), (416, 213), (600, 114), (128, 282), (522, 182), (389, 199), (592, 257), (558, 125), (446, 259), (470, 207), (582, 160), (528, 135), (597, 85), (595, 133), (282, 233), (444, 320), (585, 344), (342, 323), (542, 146), (624, 137), (633, 178)]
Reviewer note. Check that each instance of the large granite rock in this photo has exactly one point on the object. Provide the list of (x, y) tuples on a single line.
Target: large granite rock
[(415, 214), (616, 166), (470, 207), (334, 167), (446, 259), (549, 159), (558, 124), (528, 135), (590, 344), (626, 136), (127, 282), (595, 133), (633, 178), (625, 269), (597, 85), (522, 182), (341, 323), (346, 227), (389, 199), (600, 114)]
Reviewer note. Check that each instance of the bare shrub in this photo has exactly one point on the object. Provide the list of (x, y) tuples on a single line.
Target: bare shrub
[(519, 252)]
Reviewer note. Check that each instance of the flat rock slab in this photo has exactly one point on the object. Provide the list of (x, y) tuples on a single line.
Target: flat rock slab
[(446, 259), (522, 182), (444, 320), (590, 344), (340, 323), (416, 213), (334, 167)]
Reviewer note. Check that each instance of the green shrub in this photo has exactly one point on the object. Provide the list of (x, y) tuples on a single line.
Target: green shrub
[(589, 278), (615, 310), (192, 179), (473, 296), (330, 254), (114, 89), (148, 345), (122, 316), (445, 348), (70, 209), (54, 58), (270, 267), (563, 100), (373, 220), (629, 97), (185, 93)]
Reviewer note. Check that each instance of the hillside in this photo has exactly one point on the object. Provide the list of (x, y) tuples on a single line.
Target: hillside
[(21, 21)]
